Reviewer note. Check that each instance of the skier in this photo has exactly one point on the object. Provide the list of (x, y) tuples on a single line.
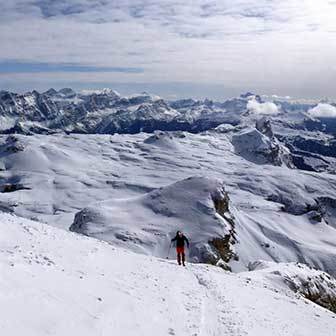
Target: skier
[(180, 239)]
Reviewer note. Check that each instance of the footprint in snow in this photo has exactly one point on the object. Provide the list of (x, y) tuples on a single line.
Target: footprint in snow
[(171, 331)]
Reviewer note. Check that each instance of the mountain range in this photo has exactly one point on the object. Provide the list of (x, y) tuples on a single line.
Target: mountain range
[(310, 138)]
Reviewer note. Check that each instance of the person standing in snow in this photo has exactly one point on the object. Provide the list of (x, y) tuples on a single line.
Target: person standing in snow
[(180, 239)]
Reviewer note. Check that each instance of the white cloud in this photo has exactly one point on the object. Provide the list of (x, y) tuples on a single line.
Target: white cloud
[(267, 108), (274, 96), (246, 44), (323, 110)]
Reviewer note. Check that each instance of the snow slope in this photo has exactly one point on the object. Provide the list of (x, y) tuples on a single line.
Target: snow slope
[(147, 223), (280, 214), (60, 283)]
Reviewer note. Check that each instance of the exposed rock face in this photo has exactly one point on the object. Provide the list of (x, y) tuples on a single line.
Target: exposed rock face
[(82, 220), (314, 285), (264, 126), (326, 147), (11, 187), (259, 148), (222, 246), (312, 152), (67, 92), (327, 210), (5, 207), (225, 128), (221, 201), (163, 140), (322, 208), (317, 293), (31, 106), (12, 145)]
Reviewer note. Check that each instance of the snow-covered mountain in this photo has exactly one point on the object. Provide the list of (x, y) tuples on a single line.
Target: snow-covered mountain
[(137, 190), (306, 128), (251, 182)]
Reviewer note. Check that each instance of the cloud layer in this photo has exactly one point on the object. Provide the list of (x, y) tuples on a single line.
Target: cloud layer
[(323, 110), (267, 108), (283, 47)]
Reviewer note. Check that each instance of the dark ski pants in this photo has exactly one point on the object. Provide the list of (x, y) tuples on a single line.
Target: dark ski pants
[(180, 255)]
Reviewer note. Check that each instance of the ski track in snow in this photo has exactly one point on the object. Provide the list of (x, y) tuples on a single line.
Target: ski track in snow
[(221, 313)]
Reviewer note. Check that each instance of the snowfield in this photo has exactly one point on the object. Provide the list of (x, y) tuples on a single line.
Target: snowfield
[(55, 282), (280, 214)]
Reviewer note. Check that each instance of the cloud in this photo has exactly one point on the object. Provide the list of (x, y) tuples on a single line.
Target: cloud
[(259, 45), (11, 67), (323, 110), (274, 96), (267, 108)]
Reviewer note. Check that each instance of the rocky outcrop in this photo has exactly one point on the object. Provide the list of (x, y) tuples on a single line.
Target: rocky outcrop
[(259, 148), (312, 152), (222, 247), (264, 126), (326, 209), (12, 145), (11, 187), (162, 140), (314, 285)]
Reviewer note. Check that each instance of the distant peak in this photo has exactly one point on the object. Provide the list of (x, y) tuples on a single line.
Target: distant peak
[(50, 92), (66, 90), (247, 95), (104, 91)]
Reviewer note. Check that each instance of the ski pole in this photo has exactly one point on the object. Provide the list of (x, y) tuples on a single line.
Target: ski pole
[(168, 250)]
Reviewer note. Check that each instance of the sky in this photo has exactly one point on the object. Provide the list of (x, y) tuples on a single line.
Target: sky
[(174, 48)]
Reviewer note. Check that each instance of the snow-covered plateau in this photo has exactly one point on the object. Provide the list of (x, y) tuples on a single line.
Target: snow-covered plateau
[(94, 185)]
